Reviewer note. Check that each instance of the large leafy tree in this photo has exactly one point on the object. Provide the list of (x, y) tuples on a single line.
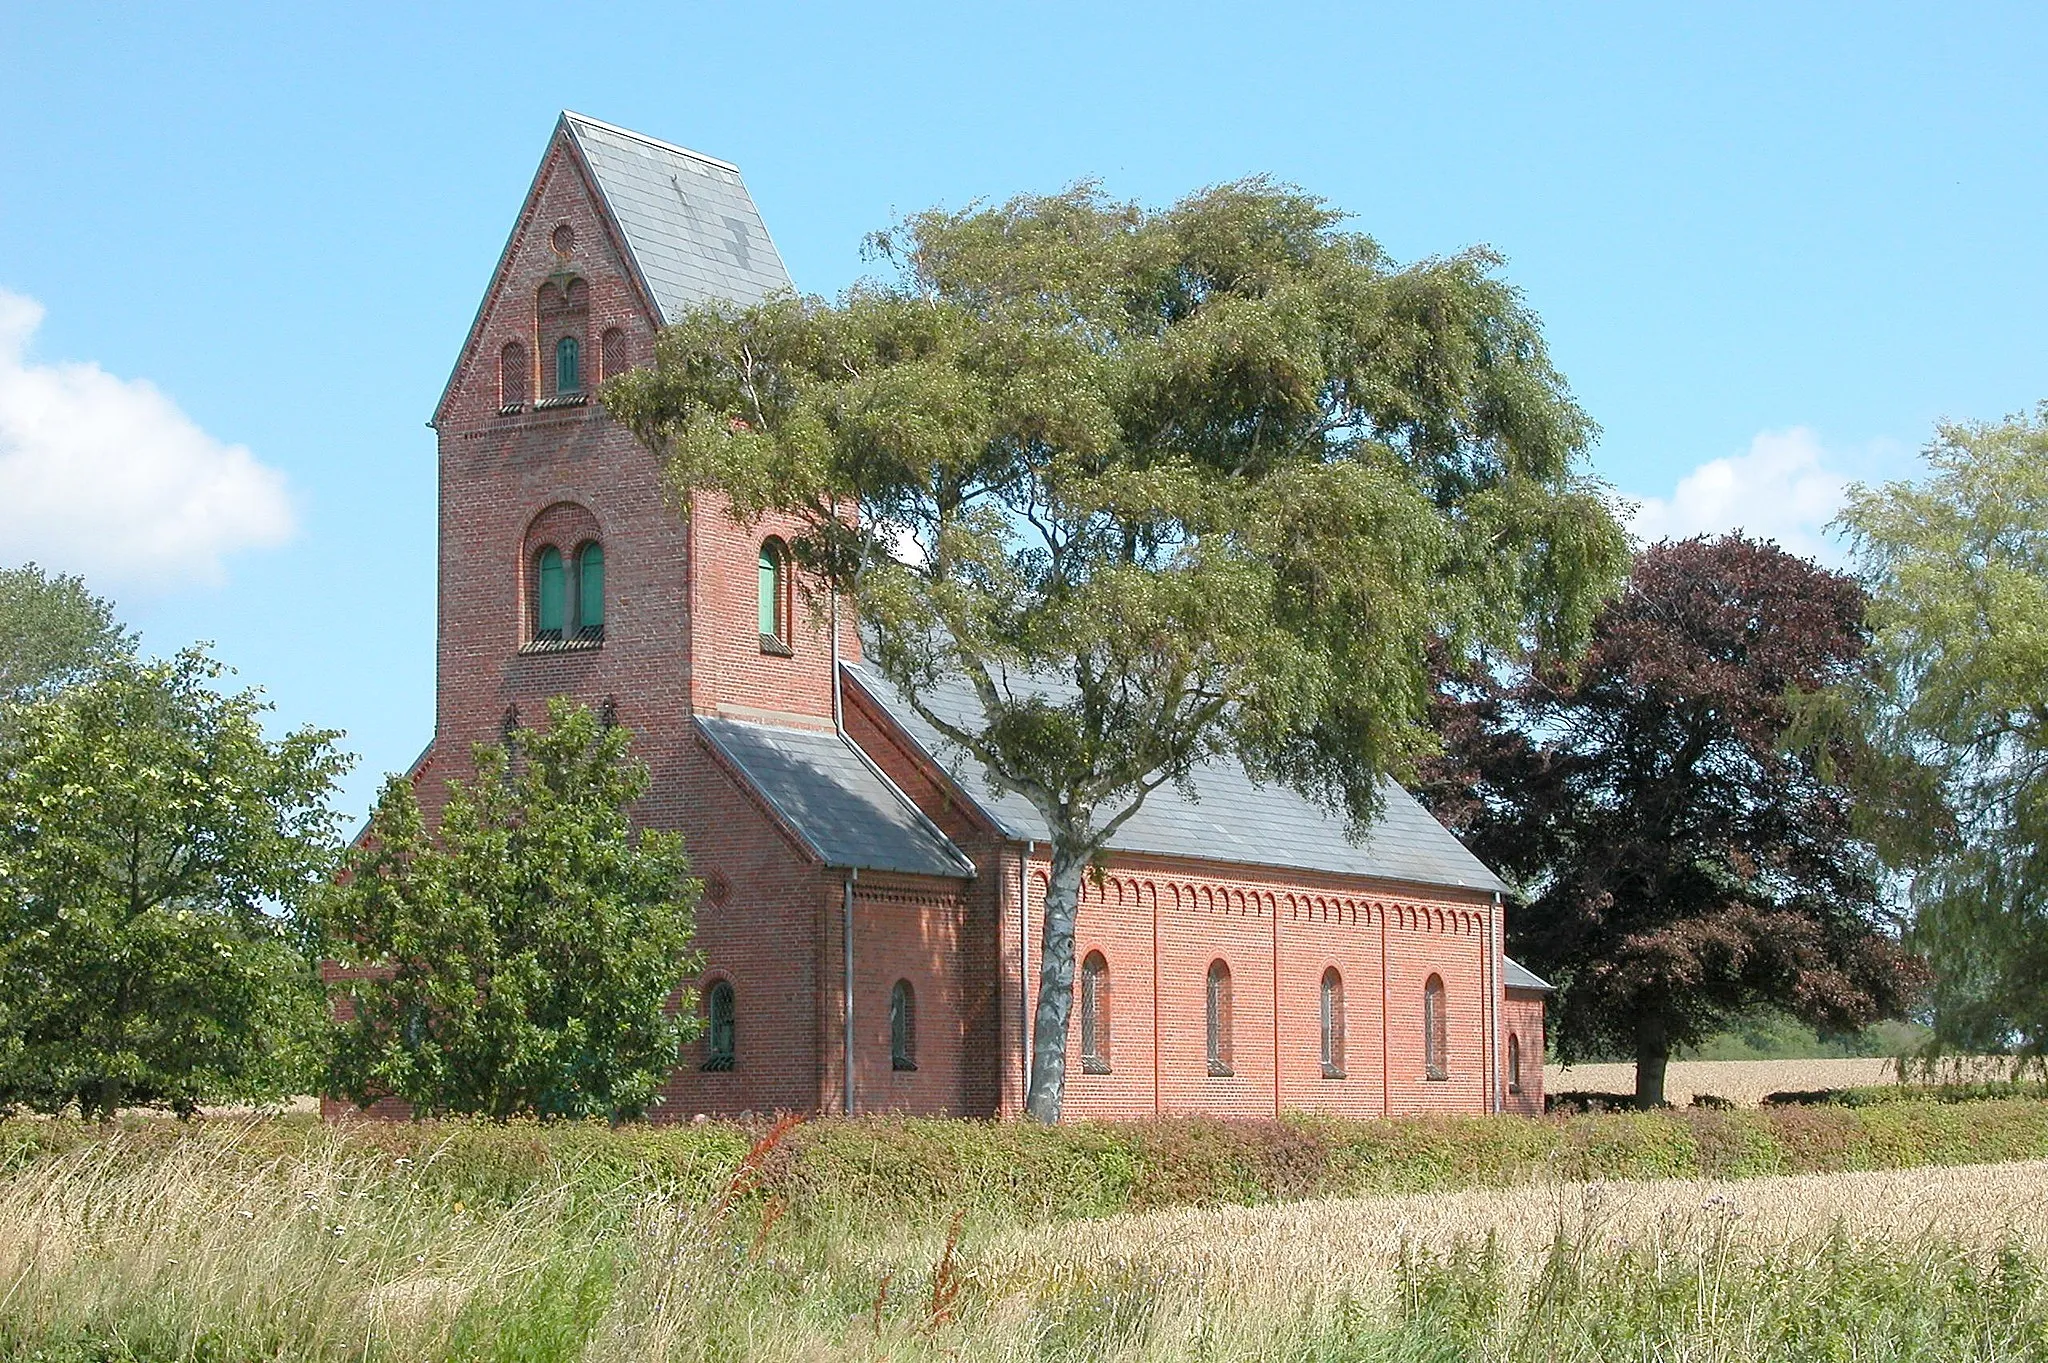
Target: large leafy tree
[(526, 960), (1682, 859), (154, 848), (1161, 486), (52, 632), (1957, 719)]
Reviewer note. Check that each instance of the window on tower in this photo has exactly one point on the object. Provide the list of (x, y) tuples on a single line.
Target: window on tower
[(551, 596), (512, 382), (774, 597), (590, 591), (568, 366)]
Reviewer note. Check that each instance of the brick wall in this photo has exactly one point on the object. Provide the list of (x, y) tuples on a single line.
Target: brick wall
[(1522, 1018)]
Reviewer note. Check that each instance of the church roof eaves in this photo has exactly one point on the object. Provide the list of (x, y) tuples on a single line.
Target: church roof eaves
[(1232, 818), (1518, 976)]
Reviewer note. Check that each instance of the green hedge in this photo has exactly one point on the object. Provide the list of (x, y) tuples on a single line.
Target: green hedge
[(911, 1168)]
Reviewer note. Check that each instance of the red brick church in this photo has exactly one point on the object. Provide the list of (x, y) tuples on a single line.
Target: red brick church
[(871, 905)]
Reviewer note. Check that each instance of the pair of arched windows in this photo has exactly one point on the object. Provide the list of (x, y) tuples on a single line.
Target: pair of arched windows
[(568, 594)]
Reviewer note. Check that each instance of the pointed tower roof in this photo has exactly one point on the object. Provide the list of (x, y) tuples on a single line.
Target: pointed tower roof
[(685, 221), (689, 224)]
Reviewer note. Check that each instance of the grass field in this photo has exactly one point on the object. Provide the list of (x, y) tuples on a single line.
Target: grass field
[(1746, 1082), (281, 1240)]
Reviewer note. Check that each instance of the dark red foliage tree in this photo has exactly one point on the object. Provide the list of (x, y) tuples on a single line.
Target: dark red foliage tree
[(1680, 860)]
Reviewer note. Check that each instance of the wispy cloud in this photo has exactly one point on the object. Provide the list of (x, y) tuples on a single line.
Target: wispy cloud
[(1782, 488), (107, 477)]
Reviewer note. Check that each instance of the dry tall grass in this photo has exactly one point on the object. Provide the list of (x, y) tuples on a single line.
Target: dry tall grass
[(1746, 1082)]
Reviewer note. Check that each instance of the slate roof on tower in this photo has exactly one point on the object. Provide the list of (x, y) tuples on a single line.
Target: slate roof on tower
[(1231, 817), (690, 226)]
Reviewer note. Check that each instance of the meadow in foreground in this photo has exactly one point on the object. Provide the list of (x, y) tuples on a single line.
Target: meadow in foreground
[(220, 1244)]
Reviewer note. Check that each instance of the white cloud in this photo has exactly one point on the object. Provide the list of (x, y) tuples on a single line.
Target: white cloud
[(1780, 489), (107, 477)]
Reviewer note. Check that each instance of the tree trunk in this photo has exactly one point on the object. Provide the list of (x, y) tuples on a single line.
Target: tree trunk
[(1653, 1056), (1055, 984)]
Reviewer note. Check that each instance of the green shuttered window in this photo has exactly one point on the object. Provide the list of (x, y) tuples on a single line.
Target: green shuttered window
[(771, 591), (590, 588), (553, 593), (568, 366)]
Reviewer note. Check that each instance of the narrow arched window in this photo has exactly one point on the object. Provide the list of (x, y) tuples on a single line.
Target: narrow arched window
[(720, 1027), (590, 591), (1217, 1015), (612, 352), (550, 594), (512, 385), (774, 598), (1332, 1018), (568, 366), (1095, 1014), (902, 1027), (1435, 1030), (1514, 1063)]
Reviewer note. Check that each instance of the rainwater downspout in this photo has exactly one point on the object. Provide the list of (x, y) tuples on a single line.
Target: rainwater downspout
[(846, 994), (1494, 947), (1024, 964)]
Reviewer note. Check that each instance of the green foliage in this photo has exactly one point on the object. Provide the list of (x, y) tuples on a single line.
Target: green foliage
[(1958, 715), (1773, 1034), (528, 960), (1160, 486), (154, 849), (52, 632)]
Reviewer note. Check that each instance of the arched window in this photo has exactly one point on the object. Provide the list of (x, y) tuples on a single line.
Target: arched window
[(612, 353), (902, 1027), (1095, 1014), (1218, 1018), (1333, 1024), (774, 597), (1514, 1063), (568, 366), (720, 1025), (590, 591), (1436, 1046), (550, 594), (512, 384)]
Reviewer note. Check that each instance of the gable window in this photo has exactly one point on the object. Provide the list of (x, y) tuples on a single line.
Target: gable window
[(568, 366), (1514, 1063), (1095, 1014), (590, 591), (719, 1027), (1332, 1017), (1435, 1030), (902, 1027), (512, 384), (1217, 1015), (774, 597), (550, 595)]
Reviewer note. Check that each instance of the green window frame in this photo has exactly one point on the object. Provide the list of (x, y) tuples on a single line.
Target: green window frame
[(721, 1012), (551, 594), (771, 592), (590, 589), (568, 366)]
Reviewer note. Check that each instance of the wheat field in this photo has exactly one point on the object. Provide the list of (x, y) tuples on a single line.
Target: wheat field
[(1746, 1082)]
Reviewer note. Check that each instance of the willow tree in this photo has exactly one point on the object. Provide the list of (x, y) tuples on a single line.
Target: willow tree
[(1164, 486)]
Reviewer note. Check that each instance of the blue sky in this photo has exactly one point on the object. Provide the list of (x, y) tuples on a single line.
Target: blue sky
[(239, 246)]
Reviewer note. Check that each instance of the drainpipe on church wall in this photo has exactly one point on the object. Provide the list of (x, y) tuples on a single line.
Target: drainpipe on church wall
[(846, 997), (1494, 947), (1024, 964)]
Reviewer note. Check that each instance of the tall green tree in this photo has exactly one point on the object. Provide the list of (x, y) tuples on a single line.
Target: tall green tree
[(1957, 717), (1682, 857), (528, 960), (52, 632), (154, 849), (1162, 486)]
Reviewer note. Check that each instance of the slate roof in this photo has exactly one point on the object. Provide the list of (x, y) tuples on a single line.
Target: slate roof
[(690, 226), (835, 800), (1231, 818), (1519, 976)]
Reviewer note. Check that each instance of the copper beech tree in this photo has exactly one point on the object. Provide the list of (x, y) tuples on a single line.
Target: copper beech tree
[(1162, 487), (1681, 858)]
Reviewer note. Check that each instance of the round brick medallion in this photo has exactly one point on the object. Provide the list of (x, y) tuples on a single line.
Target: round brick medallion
[(565, 239)]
